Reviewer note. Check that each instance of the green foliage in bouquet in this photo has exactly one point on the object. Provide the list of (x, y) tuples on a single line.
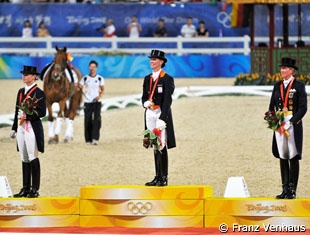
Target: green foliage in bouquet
[(30, 105), (152, 139), (274, 119)]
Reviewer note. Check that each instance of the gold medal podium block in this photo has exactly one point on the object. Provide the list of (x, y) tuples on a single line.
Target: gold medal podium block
[(39, 212), (140, 206), (142, 221), (257, 211), (118, 192)]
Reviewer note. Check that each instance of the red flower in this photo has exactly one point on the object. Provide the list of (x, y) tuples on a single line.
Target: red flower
[(157, 131), (29, 107)]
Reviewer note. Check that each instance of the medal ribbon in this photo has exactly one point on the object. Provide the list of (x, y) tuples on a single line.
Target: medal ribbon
[(20, 101), (152, 88), (287, 92)]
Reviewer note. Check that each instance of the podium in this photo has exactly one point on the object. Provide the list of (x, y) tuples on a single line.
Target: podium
[(141, 207), (39, 212)]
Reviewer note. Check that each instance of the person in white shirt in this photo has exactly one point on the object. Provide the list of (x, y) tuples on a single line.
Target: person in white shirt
[(109, 31), (27, 29), (134, 28), (94, 84), (188, 30)]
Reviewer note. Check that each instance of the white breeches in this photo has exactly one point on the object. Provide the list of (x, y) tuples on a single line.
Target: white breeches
[(286, 144), (151, 117), (26, 142)]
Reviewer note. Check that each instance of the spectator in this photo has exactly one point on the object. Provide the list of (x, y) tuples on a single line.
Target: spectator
[(27, 29), (188, 30), (109, 31), (134, 28), (160, 30), (42, 31), (202, 31)]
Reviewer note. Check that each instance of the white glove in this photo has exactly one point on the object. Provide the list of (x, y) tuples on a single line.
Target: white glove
[(147, 104), (160, 124), (20, 114), (287, 125), (12, 134)]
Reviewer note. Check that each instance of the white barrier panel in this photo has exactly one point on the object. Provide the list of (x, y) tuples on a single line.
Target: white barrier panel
[(236, 187), (5, 189)]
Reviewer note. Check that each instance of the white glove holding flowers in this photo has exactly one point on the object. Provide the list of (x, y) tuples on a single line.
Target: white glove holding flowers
[(12, 134), (20, 114), (160, 124), (147, 104)]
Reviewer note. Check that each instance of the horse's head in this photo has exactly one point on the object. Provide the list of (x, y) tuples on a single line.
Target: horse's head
[(60, 62)]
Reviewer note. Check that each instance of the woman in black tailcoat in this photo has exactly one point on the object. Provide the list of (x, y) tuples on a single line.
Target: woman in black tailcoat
[(289, 96)]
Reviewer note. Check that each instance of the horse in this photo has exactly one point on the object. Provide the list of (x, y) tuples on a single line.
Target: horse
[(58, 89)]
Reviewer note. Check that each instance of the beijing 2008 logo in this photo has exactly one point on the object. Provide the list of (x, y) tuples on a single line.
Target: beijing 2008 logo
[(139, 207), (224, 19)]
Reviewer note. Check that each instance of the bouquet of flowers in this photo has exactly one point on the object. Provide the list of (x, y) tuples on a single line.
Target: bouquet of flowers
[(28, 106), (275, 121), (152, 138)]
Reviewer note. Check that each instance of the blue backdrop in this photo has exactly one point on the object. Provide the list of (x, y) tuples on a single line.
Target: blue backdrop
[(83, 19), (190, 66)]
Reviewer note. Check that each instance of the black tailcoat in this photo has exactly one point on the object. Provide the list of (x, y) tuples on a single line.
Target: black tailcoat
[(35, 118), (163, 98), (297, 103)]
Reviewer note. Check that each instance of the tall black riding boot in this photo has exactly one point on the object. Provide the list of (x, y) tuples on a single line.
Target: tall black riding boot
[(36, 175), (157, 157), (26, 169), (294, 175), (163, 168), (285, 171)]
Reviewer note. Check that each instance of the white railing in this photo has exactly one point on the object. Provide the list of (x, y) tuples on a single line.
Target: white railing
[(213, 45)]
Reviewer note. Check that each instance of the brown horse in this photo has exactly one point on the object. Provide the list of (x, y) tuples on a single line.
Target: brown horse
[(59, 89)]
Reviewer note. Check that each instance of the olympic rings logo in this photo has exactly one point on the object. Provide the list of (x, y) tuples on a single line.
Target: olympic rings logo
[(139, 207), (224, 19)]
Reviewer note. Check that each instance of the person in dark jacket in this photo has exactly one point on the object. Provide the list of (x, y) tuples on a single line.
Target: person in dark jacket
[(289, 96), (158, 88), (27, 127)]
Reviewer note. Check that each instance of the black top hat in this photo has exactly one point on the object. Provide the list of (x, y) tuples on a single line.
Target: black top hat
[(289, 62), (30, 70), (158, 54)]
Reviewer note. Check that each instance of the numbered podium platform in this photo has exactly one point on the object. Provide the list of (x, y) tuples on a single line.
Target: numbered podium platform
[(140, 206)]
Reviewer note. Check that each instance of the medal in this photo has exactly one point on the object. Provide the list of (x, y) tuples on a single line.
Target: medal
[(285, 99)]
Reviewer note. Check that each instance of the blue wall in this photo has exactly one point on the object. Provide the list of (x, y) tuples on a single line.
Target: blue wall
[(83, 19), (188, 66)]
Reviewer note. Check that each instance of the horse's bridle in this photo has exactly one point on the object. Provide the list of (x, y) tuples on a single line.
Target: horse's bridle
[(57, 75)]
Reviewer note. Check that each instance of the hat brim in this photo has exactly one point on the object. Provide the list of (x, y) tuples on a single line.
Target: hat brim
[(289, 65), (161, 58), (27, 72)]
